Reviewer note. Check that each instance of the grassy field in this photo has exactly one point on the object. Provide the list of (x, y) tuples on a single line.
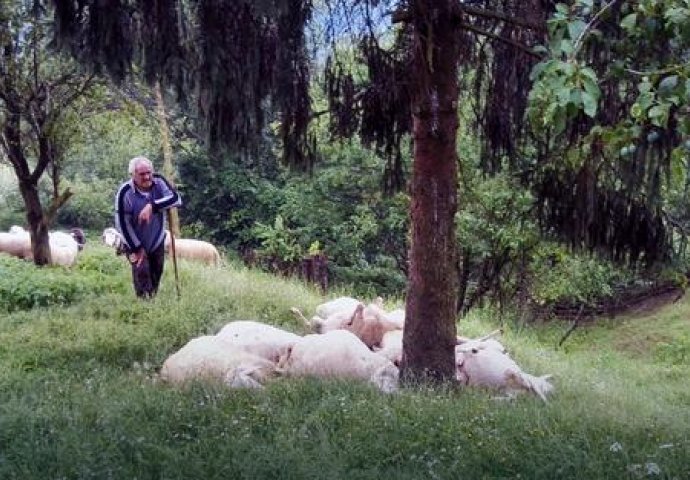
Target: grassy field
[(79, 396)]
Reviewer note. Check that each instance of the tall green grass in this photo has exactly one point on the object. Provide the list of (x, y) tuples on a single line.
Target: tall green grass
[(79, 395)]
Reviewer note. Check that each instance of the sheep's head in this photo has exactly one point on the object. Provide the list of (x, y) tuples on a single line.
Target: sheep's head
[(110, 237), (79, 236)]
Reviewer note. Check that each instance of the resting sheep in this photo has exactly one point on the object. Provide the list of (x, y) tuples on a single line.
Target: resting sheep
[(492, 368), (338, 354), (369, 323), (260, 339), (209, 357)]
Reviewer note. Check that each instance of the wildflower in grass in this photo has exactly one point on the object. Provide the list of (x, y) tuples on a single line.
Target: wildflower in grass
[(616, 447), (652, 468)]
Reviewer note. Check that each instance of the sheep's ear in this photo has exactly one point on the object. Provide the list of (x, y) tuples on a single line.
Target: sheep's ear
[(358, 313)]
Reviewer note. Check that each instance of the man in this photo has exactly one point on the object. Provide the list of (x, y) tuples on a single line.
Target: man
[(139, 217)]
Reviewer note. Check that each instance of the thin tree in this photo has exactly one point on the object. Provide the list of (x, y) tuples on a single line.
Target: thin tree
[(34, 92)]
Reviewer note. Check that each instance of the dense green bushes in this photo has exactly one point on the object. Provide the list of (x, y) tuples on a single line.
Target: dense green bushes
[(22, 289)]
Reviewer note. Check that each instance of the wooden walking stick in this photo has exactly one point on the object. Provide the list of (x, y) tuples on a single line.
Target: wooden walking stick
[(168, 171), (174, 255)]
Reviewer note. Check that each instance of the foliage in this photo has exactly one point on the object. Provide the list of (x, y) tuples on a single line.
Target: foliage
[(223, 198), (281, 214), (496, 238), (608, 97), (110, 126), (92, 206), (22, 287), (580, 279), (278, 246)]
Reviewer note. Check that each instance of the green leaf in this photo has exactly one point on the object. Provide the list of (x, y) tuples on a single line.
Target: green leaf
[(658, 114), (589, 102), (592, 88), (644, 86), (575, 28), (566, 46), (668, 83), (629, 21), (636, 111)]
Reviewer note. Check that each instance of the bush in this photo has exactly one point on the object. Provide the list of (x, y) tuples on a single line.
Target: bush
[(91, 207), (24, 286), (565, 277)]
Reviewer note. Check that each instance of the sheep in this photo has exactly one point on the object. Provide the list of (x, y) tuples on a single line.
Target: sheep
[(487, 341), (112, 238), (263, 340), (338, 354), (15, 244), (210, 357), (397, 316), (491, 368), (369, 323), (392, 346), (191, 249), (327, 309), (63, 247)]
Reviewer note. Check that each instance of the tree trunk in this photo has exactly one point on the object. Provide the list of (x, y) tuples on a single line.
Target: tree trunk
[(429, 336), (40, 245), (28, 188)]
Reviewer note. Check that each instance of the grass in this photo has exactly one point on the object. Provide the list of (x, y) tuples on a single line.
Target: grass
[(79, 397)]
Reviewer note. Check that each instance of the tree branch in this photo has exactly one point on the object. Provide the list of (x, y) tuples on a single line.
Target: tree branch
[(401, 16), (580, 38), (493, 36)]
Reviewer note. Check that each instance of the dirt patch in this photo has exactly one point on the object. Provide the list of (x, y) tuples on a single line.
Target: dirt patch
[(635, 301)]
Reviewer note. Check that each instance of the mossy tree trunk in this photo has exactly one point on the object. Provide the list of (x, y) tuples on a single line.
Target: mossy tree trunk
[(429, 335)]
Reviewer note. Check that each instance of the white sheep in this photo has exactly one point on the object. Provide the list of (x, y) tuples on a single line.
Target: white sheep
[(191, 249), (369, 323), (209, 357), (15, 244), (392, 346), (265, 341), (63, 247), (491, 368), (486, 342), (338, 354), (339, 304)]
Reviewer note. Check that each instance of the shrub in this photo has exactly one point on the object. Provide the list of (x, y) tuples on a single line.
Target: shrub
[(565, 277), (24, 286), (91, 207)]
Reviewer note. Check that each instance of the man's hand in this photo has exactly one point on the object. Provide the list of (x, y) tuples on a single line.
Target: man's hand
[(145, 214), (138, 257)]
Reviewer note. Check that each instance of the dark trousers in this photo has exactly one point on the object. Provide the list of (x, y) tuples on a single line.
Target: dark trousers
[(147, 276)]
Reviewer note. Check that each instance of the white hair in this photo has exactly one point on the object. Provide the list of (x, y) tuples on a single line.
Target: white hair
[(136, 161)]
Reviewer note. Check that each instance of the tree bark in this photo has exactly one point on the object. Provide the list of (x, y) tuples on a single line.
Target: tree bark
[(28, 187), (429, 335)]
